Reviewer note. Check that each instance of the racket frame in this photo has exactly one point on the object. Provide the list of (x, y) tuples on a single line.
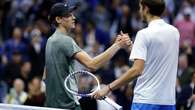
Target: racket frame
[(106, 99)]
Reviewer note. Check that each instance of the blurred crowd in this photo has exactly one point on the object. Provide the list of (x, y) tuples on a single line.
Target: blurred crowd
[(24, 30)]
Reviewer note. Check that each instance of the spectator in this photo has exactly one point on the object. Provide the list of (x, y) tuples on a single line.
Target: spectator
[(36, 97), (2, 83), (36, 52), (186, 28), (12, 69), (25, 73), (15, 44), (184, 71), (124, 23), (185, 98), (17, 94)]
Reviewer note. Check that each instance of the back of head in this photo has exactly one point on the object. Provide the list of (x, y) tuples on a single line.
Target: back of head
[(156, 7)]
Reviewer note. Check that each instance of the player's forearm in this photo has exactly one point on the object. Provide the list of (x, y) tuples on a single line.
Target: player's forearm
[(104, 57), (130, 75)]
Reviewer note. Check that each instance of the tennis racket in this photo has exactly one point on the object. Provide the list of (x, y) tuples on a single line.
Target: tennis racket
[(84, 84)]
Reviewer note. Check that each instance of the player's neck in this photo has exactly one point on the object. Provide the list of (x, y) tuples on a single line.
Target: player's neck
[(151, 18), (62, 29)]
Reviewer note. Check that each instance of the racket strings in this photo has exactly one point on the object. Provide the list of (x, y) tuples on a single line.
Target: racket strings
[(85, 83)]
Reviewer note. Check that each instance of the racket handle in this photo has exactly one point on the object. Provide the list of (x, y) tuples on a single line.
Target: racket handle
[(114, 104)]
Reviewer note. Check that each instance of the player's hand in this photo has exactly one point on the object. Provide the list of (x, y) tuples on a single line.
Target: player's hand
[(100, 94), (123, 40), (192, 97)]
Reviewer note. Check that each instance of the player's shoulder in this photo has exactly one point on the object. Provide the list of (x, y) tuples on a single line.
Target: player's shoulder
[(142, 32), (172, 26), (66, 39), (174, 30), (62, 37)]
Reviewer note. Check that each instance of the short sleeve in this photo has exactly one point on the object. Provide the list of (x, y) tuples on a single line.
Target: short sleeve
[(139, 50), (70, 47)]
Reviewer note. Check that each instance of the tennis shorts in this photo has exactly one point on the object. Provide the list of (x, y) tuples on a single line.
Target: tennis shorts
[(141, 106)]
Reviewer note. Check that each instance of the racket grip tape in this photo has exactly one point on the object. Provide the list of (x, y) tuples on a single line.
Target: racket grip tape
[(114, 104)]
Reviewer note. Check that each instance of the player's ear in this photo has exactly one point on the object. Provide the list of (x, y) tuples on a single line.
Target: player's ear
[(146, 9), (58, 19)]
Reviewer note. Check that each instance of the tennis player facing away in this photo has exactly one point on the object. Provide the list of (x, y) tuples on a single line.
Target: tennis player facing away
[(155, 56), (61, 50)]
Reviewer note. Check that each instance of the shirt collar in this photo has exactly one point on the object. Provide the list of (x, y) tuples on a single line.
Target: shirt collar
[(59, 32), (156, 21)]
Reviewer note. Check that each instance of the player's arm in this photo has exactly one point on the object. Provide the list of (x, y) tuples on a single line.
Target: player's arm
[(100, 60), (139, 55), (131, 74)]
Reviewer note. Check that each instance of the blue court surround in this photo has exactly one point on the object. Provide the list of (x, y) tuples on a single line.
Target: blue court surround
[(141, 106)]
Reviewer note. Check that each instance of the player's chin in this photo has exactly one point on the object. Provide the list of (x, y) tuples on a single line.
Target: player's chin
[(73, 25)]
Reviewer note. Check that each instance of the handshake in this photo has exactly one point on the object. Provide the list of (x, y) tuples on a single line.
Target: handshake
[(123, 41)]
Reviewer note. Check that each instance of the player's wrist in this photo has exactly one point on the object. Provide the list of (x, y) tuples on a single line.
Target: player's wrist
[(109, 88), (117, 46)]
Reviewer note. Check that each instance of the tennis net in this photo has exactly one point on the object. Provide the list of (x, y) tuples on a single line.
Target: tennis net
[(22, 107)]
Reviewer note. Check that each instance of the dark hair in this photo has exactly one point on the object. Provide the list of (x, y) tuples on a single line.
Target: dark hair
[(52, 21), (156, 7), (34, 77)]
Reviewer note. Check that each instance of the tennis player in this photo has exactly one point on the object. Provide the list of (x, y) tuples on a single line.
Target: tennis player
[(155, 56), (61, 50)]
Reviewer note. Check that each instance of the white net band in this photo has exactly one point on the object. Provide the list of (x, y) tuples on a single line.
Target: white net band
[(22, 107)]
